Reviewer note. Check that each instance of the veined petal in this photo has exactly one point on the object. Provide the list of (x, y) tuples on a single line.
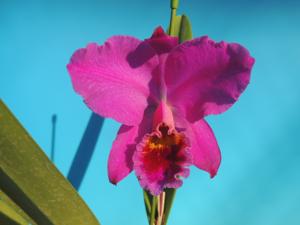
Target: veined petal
[(204, 77), (114, 78), (204, 149), (120, 158)]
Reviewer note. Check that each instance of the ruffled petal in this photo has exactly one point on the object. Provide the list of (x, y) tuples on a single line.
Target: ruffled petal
[(120, 158), (114, 78), (204, 149), (204, 77), (161, 42), (161, 160)]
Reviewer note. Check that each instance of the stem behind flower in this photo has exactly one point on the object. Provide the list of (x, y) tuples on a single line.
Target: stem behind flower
[(174, 6), (153, 210), (147, 201)]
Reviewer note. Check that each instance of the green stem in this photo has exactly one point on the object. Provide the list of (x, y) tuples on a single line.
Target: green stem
[(147, 199), (172, 22), (174, 6), (153, 210)]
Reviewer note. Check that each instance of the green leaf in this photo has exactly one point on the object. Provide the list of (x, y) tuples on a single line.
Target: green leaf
[(9, 216), (147, 200), (30, 179), (170, 195), (7, 200)]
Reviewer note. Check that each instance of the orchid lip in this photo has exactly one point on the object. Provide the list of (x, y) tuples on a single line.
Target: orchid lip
[(161, 159)]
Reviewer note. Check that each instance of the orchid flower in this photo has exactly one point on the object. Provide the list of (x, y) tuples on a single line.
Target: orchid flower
[(160, 91)]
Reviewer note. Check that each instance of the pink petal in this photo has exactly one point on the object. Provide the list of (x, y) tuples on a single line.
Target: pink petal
[(204, 77), (204, 149), (120, 158), (161, 42), (114, 78), (163, 114)]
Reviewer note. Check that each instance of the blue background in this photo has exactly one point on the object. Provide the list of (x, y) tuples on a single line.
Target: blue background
[(258, 181)]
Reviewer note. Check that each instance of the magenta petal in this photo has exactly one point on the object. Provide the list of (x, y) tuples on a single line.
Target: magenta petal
[(161, 42), (204, 77), (120, 158), (204, 149), (113, 78)]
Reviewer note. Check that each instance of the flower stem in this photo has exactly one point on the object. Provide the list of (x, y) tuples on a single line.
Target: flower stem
[(174, 6), (147, 201), (153, 210)]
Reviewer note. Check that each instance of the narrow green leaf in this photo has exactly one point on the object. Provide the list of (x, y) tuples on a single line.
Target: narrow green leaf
[(170, 195), (7, 200), (147, 200), (9, 216), (29, 178)]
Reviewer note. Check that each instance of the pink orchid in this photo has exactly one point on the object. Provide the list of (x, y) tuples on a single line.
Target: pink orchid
[(160, 91)]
